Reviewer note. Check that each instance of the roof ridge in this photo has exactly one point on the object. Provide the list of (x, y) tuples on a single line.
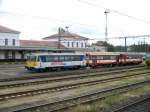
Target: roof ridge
[(67, 35)]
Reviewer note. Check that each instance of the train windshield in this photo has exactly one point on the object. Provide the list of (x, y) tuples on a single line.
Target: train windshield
[(31, 58)]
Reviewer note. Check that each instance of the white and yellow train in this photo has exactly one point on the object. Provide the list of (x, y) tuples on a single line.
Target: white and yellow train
[(49, 61)]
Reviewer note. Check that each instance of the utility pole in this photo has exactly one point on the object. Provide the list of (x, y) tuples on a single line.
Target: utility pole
[(106, 28), (144, 46), (59, 37), (125, 39)]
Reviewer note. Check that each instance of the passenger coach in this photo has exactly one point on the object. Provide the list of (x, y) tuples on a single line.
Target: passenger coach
[(101, 58), (95, 59)]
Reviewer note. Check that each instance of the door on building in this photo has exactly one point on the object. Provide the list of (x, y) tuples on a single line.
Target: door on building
[(6, 55), (13, 55)]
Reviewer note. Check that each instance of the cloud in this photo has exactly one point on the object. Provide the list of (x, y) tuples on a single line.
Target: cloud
[(45, 16)]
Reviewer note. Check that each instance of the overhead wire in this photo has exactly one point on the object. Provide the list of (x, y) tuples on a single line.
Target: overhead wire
[(115, 11), (48, 18)]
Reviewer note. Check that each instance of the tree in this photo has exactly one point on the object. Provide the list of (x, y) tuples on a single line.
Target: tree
[(119, 48)]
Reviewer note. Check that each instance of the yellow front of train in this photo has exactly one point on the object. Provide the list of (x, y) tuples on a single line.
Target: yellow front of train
[(32, 62)]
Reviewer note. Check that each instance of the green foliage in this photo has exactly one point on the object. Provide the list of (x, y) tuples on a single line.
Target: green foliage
[(132, 48), (119, 48), (140, 48)]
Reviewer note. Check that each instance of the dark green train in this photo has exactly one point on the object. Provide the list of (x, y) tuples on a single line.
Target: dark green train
[(147, 58)]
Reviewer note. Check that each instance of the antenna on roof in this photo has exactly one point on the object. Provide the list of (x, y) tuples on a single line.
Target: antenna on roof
[(67, 27)]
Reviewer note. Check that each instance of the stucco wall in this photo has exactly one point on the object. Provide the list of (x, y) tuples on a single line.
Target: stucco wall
[(10, 38)]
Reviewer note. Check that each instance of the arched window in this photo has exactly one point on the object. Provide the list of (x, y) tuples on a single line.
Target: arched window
[(82, 44), (77, 44), (13, 42), (68, 44), (85, 45), (6, 41), (72, 44)]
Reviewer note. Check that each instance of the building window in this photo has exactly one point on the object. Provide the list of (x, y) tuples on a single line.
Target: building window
[(72, 44), (81, 44), (85, 45), (68, 44), (77, 44), (13, 42), (6, 41)]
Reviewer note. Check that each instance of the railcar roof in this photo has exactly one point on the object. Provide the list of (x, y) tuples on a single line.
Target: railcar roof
[(37, 54), (114, 53), (102, 53)]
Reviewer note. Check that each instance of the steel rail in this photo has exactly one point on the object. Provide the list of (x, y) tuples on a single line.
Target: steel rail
[(73, 101), (61, 78), (66, 73), (62, 87), (133, 104)]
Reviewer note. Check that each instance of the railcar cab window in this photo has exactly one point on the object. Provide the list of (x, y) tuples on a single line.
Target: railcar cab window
[(42, 58), (31, 58)]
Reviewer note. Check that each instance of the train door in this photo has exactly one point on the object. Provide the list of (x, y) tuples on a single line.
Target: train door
[(94, 60), (117, 60), (121, 59)]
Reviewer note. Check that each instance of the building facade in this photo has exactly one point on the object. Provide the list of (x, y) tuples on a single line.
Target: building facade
[(9, 38), (68, 39)]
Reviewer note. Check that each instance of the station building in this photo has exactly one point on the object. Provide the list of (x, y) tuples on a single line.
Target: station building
[(14, 49), (68, 39)]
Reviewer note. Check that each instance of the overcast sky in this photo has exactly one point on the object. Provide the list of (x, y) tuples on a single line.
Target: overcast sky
[(36, 19)]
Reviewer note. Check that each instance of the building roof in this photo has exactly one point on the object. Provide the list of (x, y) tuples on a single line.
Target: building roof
[(37, 43), (66, 34), (20, 48), (4, 29)]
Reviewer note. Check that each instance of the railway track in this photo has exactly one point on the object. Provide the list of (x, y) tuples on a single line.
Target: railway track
[(89, 97), (141, 104), (9, 66), (50, 80), (29, 76), (28, 82), (62, 87)]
